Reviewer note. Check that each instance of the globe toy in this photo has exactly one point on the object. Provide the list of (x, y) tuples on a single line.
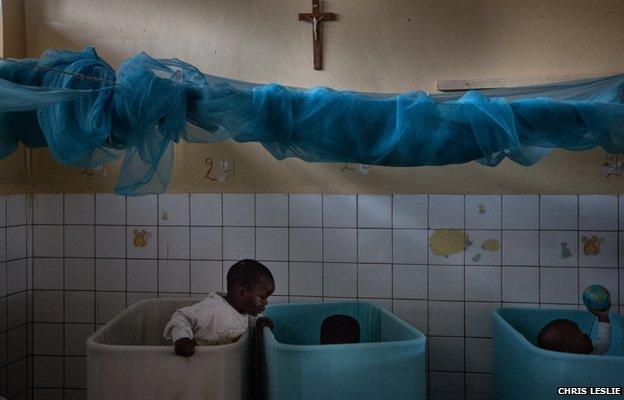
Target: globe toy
[(596, 298)]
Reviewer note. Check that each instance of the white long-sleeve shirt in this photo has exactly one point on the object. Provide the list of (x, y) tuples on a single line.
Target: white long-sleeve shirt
[(212, 321), (602, 343)]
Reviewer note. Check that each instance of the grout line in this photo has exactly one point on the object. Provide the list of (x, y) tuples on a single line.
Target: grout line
[(500, 255), (157, 244), (289, 255), (539, 251), (63, 200), (391, 252), (223, 274), (465, 343), (255, 228), (126, 243), (357, 247), (618, 259), (322, 247), (95, 258), (337, 227), (6, 280), (428, 284), (190, 238), (578, 250)]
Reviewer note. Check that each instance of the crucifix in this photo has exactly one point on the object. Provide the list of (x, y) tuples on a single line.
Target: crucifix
[(316, 17)]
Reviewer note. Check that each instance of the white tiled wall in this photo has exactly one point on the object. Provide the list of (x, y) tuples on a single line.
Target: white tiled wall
[(319, 248), (16, 337)]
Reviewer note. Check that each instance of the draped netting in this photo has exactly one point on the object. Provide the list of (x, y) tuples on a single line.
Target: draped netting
[(87, 114)]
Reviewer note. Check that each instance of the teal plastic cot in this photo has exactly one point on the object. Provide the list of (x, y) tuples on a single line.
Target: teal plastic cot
[(388, 363), (522, 371)]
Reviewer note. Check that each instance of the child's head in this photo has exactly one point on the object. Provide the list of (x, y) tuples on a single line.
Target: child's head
[(249, 285), (565, 336), (337, 329)]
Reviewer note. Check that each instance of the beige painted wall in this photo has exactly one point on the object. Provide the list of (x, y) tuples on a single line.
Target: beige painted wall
[(376, 45), (13, 175)]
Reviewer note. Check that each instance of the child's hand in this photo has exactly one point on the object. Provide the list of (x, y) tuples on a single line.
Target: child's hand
[(603, 316), (262, 322), (185, 347)]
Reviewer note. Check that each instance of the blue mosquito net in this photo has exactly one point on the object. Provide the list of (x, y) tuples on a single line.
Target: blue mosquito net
[(87, 114)]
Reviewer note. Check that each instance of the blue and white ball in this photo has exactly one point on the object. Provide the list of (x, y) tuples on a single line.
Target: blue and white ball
[(596, 297)]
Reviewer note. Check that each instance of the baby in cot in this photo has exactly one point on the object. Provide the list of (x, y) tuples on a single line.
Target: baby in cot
[(222, 318), (340, 329), (565, 335)]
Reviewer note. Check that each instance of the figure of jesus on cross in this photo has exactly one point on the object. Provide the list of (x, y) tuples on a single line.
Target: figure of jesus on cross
[(316, 17)]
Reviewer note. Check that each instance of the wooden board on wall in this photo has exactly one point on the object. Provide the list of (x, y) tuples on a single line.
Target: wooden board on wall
[(12, 28)]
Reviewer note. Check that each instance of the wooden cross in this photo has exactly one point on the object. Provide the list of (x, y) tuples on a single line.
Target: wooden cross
[(316, 17)]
